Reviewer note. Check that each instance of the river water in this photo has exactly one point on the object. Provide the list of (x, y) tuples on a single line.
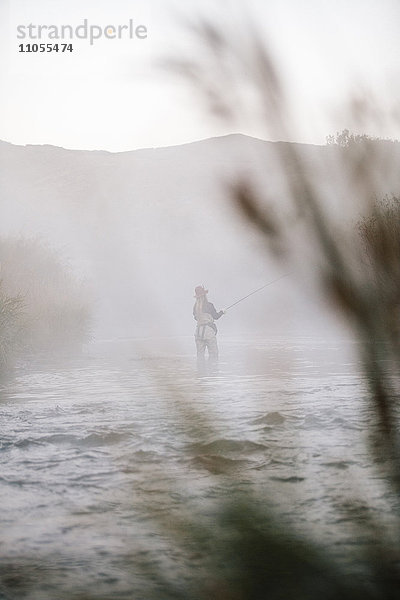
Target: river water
[(99, 452)]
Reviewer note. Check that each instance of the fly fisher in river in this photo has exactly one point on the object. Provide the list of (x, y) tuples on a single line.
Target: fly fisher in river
[(206, 330), (205, 314)]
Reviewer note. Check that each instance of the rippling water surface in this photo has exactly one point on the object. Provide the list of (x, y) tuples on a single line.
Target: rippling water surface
[(96, 451)]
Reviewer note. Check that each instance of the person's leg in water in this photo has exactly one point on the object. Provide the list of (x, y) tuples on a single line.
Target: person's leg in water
[(201, 360), (212, 349), (201, 349)]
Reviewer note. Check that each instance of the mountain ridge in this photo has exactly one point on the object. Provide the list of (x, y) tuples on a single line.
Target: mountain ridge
[(226, 137)]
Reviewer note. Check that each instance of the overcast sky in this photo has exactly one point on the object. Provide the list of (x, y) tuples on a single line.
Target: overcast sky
[(113, 95)]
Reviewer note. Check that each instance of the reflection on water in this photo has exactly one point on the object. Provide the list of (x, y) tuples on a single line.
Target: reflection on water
[(95, 450)]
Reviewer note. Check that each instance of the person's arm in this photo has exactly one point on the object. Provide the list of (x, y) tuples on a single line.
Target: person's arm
[(211, 309)]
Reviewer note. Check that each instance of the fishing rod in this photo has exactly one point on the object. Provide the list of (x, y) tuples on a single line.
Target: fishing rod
[(255, 291)]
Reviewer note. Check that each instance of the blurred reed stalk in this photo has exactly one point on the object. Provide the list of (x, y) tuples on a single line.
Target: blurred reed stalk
[(357, 269)]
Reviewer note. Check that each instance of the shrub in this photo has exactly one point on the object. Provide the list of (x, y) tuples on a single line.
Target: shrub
[(56, 304), (11, 317)]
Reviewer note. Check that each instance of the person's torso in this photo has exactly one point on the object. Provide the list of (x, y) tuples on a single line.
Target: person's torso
[(206, 327)]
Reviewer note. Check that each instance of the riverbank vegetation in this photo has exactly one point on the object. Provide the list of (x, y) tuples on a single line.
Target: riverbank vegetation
[(43, 306), (11, 319)]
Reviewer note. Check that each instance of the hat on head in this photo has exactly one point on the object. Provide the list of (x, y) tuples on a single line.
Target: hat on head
[(200, 291)]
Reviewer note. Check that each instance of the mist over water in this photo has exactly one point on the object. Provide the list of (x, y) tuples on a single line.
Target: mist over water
[(144, 228)]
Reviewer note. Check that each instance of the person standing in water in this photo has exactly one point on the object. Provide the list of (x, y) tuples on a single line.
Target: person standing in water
[(206, 331)]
